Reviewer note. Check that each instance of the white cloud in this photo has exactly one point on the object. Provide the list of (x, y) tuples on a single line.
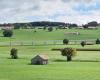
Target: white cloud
[(53, 10)]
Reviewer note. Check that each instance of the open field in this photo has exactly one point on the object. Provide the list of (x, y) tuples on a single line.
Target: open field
[(85, 65), (30, 35)]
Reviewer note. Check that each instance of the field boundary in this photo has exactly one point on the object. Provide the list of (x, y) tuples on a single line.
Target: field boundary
[(48, 42)]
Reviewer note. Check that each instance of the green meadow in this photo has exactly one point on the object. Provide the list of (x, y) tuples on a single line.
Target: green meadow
[(30, 35), (85, 65)]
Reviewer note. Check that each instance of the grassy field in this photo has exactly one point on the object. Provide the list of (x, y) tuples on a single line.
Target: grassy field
[(85, 65), (30, 35)]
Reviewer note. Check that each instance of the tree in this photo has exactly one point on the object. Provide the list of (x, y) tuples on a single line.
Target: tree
[(83, 43), (93, 23), (50, 29), (97, 41), (7, 33), (65, 41), (56, 28), (44, 28), (69, 53), (17, 26), (85, 26), (13, 53)]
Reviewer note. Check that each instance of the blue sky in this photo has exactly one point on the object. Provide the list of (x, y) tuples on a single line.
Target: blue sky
[(69, 11)]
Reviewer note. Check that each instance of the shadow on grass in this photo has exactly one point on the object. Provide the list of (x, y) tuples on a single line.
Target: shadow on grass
[(60, 60), (85, 61), (16, 59), (34, 64), (29, 64)]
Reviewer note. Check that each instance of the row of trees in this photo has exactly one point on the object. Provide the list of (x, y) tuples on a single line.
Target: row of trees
[(92, 24), (48, 23), (83, 43)]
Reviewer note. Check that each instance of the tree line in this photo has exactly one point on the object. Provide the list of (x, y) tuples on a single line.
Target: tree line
[(50, 24)]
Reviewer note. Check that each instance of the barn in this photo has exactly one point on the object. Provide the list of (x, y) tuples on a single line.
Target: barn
[(39, 60)]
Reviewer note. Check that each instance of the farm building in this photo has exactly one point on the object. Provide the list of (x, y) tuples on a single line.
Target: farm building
[(40, 60)]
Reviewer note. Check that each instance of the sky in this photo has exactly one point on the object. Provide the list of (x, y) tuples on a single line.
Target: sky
[(68, 11)]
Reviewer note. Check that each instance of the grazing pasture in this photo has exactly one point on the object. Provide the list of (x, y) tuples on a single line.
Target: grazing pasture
[(30, 35), (85, 65)]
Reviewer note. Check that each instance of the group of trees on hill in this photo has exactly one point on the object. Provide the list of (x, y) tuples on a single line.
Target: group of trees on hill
[(49, 24), (92, 24)]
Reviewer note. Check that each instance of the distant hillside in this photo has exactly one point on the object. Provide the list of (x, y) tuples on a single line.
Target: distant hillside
[(47, 24)]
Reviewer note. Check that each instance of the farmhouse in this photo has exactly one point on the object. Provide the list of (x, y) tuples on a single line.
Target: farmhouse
[(39, 60)]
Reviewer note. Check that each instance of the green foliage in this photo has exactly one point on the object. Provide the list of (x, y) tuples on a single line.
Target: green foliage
[(69, 52), (7, 33), (97, 41), (44, 28), (65, 41), (83, 43), (13, 53), (17, 26), (50, 29)]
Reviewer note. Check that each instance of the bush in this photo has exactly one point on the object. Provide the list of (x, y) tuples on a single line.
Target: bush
[(13, 53), (69, 53), (83, 43), (44, 28), (7, 33), (65, 41), (97, 41), (50, 29)]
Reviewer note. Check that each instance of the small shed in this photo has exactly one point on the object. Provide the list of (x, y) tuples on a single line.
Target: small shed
[(40, 60)]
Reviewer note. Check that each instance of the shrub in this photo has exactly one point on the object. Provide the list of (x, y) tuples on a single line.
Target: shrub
[(65, 41), (83, 43), (97, 41), (69, 53), (13, 53), (35, 31), (7, 33), (44, 28), (50, 29)]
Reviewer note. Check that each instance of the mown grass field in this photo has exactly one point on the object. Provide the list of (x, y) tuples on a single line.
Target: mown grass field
[(85, 65), (30, 35)]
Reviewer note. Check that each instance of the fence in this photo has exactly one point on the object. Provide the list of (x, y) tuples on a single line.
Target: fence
[(48, 42)]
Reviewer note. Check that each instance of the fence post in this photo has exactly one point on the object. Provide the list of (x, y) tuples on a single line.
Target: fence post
[(54, 42), (32, 43), (10, 43), (21, 43)]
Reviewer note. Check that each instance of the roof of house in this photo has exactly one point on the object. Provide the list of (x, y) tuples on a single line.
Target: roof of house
[(44, 57)]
